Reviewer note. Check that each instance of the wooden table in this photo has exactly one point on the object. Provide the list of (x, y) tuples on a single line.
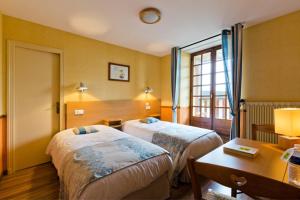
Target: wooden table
[(114, 123), (263, 176)]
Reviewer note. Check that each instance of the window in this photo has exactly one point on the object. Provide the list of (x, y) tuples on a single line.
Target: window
[(209, 103)]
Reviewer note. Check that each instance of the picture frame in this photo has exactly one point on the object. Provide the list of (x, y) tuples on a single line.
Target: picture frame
[(118, 72)]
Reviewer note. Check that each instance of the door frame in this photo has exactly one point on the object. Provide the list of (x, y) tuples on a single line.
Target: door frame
[(212, 122), (11, 46)]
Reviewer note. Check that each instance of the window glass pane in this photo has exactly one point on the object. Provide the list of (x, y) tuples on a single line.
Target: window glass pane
[(205, 112), (220, 101), (196, 111), (205, 101), (220, 113), (220, 77), (206, 79), (229, 117), (205, 90), (219, 54), (197, 80), (196, 101), (220, 89), (206, 58), (206, 68), (197, 70), (220, 66), (196, 91), (197, 60)]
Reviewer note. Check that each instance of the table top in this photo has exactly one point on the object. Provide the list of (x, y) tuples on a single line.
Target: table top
[(267, 163)]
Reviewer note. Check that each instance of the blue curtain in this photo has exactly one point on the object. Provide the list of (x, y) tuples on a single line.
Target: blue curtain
[(232, 54), (175, 80)]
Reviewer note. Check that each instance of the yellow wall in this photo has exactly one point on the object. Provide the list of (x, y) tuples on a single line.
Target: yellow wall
[(270, 73), (166, 96), (87, 60), (271, 62), (271, 70)]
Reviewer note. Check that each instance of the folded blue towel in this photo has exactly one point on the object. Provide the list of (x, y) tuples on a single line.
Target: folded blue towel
[(149, 120), (84, 130)]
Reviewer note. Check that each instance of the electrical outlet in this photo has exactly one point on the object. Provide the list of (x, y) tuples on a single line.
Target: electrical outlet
[(79, 112), (147, 106)]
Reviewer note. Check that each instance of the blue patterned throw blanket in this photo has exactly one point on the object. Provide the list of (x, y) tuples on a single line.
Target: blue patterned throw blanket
[(88, 164), (175, 140)]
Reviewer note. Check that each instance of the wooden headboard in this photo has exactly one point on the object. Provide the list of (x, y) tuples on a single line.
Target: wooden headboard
[(96, 111)]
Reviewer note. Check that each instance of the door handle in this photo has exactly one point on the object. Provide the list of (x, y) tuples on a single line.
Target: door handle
[(57, 107)]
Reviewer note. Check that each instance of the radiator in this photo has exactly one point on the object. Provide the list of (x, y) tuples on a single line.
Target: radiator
[(263, 113)]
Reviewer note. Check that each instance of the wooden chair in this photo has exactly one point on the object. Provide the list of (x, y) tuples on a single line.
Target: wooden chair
[(266, 128)]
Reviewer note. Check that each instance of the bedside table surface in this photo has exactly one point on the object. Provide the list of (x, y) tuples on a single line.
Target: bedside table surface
[(112, 120)]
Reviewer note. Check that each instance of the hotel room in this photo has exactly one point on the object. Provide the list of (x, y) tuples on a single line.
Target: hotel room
[(139, 99)]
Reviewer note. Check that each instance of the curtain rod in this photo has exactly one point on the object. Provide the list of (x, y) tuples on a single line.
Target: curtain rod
[(202, 45), (200, 41)]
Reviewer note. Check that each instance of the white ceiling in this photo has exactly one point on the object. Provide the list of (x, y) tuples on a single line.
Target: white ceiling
[(117, 22)]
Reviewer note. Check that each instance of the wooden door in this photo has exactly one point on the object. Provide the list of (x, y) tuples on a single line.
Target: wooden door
[(35, 92), (209, 104), (201, 89)]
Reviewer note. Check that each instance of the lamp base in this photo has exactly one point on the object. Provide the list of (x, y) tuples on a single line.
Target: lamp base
[(286, 142)]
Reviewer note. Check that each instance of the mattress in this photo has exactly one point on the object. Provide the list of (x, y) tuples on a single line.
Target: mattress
[(118, 184), (197, 148)]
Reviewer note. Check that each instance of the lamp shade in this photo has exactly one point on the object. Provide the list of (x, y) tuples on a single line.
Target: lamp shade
[(148, 90), (82, 87), (287, 121)]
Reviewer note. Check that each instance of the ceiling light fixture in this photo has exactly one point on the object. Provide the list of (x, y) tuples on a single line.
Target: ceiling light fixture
[(150, 15)]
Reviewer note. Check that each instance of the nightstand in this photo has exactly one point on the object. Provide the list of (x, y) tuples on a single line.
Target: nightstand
[(157, 116), (114, 123)]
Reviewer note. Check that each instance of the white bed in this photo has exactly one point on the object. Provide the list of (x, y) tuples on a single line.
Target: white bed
[(138, 181), (201, 146)]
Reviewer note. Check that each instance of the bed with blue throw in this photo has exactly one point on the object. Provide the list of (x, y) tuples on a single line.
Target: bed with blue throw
[(181, 141), (109, 164)]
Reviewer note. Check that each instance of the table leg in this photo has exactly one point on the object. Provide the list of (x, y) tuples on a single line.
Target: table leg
[(233, 192), (196, 186)]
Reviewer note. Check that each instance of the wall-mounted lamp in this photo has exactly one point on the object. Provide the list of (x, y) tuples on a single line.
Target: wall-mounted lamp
[(82, 87), (148, 90)]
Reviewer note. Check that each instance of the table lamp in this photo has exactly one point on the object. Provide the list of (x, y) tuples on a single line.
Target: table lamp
[(287, 124)]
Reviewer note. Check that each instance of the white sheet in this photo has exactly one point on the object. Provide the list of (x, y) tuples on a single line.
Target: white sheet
[(118, 184), (198, 148)]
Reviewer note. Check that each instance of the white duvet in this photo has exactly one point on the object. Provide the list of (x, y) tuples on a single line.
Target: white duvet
[(119, 184), (203, 145)]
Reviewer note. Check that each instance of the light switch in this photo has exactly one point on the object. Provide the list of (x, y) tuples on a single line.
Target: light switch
[(79, 112)]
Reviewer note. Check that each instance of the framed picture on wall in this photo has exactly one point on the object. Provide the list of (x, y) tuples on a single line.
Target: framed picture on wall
[(118, 72)]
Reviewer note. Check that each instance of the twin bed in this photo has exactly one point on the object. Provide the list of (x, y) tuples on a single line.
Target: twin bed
[(110, 164), (124, 166), (181, 141)]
